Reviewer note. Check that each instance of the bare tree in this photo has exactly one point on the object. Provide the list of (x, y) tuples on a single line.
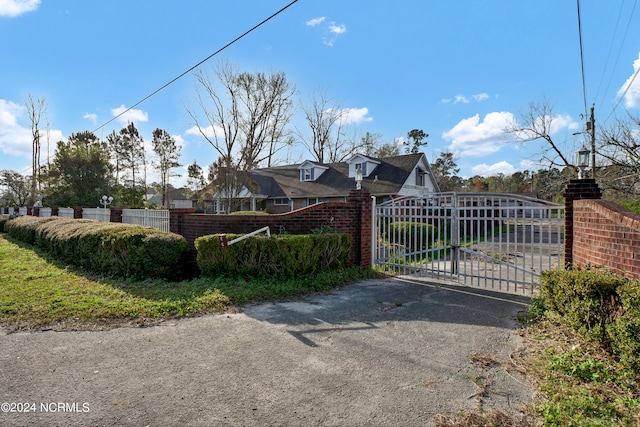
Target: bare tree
[(537, 122), (36, 108), (327, 141), (619, 148), (244, 118)]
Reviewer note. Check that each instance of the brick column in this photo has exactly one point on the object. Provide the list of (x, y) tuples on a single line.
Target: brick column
[(116, 215), (578, 189), (363, 210), (77, 212), (176, 216), (54, 210)]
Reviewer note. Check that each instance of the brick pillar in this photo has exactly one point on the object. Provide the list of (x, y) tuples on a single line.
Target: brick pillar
[(116, 215), (35, 211), (77, 212), (176, 216), (578, 189), (54, 210), (363, 204), (29, 210)]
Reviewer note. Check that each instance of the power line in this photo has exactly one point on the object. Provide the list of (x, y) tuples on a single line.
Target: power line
[(190, 69), (584, 86), (624, 37), (197, 65)]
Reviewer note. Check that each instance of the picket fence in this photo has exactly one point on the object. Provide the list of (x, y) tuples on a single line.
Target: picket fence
[(156, 218)]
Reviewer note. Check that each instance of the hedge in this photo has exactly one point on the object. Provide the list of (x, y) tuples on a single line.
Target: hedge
[(122, 250), (624, 333), (414, 235), (600, 306), (285, 256)]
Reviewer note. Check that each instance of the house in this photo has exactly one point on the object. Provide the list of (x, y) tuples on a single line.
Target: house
[(284, 188), (175, 196)]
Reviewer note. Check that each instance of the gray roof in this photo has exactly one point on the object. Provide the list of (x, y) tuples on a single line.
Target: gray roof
[(284, 181)]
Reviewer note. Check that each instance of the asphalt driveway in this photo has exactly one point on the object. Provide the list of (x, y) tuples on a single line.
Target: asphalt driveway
[(379, 352)]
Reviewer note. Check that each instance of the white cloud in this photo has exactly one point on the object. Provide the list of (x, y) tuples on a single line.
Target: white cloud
[(494, 169), (15, 139), (470, 137), (337, 29), (209, 131), (93, 118), (129, 116), (330, 30), (180, 141), (13, 8), (356, 116), (479, 97), (460, 98), (532, 165), (315, 21), (630, 90)]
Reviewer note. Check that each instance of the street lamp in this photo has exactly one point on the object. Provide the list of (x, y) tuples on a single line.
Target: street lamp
[(106, 201), (582, 160)]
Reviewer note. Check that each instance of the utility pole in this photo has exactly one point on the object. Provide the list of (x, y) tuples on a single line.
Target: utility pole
[(591, 125)]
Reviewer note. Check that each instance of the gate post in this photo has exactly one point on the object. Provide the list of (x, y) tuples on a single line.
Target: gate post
[(455, 234), (578, 189), (363, 211)]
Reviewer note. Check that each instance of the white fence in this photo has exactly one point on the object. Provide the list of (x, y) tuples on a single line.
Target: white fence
[(65, 212), (44, 212), (99, 214), (156, 218), (22, 210)]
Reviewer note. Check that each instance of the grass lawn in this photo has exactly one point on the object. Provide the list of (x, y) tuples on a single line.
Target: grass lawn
[(36, 292)]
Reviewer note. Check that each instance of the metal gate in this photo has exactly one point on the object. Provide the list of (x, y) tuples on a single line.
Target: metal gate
[(492, 240)]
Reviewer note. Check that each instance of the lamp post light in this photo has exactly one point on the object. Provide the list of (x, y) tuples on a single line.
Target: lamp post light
[(582, 160), (106, 201), (358, 178)]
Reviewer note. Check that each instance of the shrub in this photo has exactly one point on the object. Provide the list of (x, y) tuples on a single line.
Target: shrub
[(624, 333), (23, 228), (116, 249), (413, 235), (586, 299), (285, 256)]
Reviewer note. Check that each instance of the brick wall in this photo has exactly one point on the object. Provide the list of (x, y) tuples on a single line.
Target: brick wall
[(352, 217), (605, 234)]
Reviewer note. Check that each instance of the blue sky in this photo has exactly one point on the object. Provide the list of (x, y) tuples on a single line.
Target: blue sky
[(459, 70)]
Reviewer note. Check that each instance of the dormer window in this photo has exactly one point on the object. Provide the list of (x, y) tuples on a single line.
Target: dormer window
[(362, 167), (310, 171), (306, 174), (364, 164)]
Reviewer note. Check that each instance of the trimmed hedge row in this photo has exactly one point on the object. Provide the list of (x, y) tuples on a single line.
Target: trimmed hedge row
[(599, 306), (285, 256), (116, 249)]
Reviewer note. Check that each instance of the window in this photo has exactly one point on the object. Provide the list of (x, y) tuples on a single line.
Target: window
[(306, 174), (361, 167), (280, 202), (313, 201), (421, 177)]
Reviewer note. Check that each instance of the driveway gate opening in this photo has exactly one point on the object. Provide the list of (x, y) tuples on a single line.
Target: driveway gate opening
[(492, 240)]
